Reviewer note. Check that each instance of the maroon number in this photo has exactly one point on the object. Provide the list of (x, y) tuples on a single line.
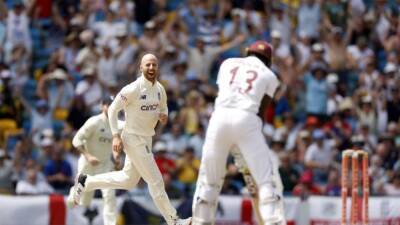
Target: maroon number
[(233, 72), (253, 76), (251, 80)]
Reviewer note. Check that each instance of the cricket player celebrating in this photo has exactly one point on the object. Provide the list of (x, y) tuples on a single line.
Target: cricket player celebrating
[(246, 85), (93, 140), (145, 103)]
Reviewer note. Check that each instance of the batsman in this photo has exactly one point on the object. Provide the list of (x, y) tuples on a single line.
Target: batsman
[(246, 86)]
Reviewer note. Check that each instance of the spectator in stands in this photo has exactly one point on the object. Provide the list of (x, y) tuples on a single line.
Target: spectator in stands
[(124, 57), (6, 171), (106, 29), (393, 105), (41, 116), (196, 141), (32, 186), (8, 106), (58, 172), (106, 70), (290, 176), (393, 188), (190, 113), (90, 89), (57, 90), (281, 49), (165, 164), (309, 18), (18, 29), (319, 156), (87, 56), (306, 187), (176, 141), (187, 169), (316, 91), (333, 187), (201, 57), (280, 21), (172, 190), (78, 113), (150, 41)]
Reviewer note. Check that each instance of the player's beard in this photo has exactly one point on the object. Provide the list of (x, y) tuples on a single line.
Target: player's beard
[(151, 75)]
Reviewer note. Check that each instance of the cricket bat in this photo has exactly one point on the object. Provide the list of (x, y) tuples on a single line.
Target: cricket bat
[(250, 183)]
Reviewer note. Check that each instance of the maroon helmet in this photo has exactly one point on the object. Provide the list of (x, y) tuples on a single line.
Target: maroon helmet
[(262, 48)]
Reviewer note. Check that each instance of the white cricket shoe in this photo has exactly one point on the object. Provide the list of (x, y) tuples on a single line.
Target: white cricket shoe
[(79, 188), (186, 221)]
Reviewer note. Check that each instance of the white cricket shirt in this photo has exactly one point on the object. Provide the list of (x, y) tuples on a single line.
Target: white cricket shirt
[(142, 102), (96, 136), (243, 82)]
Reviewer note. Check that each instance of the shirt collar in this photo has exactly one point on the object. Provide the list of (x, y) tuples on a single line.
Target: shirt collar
[(146, 83)]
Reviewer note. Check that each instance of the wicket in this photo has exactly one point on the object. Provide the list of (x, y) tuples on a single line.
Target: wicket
[(355, 157)]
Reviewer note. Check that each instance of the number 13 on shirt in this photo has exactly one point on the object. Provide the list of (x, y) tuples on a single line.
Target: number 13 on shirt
[(250, 77)]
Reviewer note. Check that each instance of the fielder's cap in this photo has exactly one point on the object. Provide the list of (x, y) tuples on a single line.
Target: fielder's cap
[(107, 100), (262, 48), (58, 74)]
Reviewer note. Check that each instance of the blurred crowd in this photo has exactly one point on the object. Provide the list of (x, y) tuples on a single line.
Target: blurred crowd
[(338, 61)]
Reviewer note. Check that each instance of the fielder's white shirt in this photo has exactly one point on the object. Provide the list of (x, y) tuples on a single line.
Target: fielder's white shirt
[(96, 136), (142, 102), (243, 82)]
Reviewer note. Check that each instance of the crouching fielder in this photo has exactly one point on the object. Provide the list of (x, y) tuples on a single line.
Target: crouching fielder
[(245, 85), (93, 140)]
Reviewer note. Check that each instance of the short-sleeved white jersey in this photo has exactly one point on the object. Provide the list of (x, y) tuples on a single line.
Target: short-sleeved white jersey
[(243, 82), (142, 102), (96, 136)]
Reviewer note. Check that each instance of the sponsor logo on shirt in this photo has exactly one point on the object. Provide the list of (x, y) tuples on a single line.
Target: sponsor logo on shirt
[(149, 107)]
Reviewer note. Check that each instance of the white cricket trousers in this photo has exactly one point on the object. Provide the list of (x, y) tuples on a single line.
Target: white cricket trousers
[(109, 201), (139, 162), (229, 128)]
